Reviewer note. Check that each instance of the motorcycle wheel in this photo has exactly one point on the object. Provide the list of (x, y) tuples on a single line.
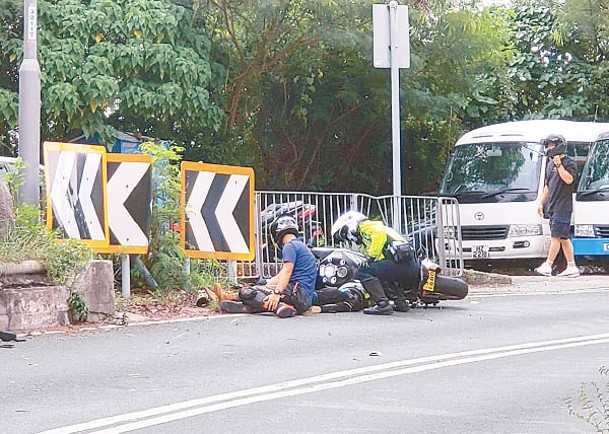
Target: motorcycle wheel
[(451, 288)]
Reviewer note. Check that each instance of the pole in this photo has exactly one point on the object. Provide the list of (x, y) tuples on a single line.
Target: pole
[(395, 115), (232, 271), (186, 271), (125, 276), (29, 106)]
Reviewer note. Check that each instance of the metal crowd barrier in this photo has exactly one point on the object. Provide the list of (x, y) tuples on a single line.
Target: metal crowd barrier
[(431, 224)]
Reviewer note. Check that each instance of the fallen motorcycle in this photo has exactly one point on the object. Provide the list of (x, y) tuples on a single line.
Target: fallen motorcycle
[(311, 229), (338, 266)]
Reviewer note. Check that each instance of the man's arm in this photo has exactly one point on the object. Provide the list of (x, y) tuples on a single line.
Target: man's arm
[(272, 282), (284, 275), (282, 279), (542, 199), (566, 176)]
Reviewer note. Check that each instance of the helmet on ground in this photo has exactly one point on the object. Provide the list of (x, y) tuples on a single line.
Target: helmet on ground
[(283, 225), (560, 145), (345, 226), (355, 289)]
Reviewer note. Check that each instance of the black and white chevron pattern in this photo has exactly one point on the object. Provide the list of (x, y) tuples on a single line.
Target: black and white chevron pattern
[(219, 214), (76, 194), (129, 202)]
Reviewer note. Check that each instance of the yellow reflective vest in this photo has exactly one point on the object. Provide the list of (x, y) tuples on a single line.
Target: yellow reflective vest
[(376, 237)]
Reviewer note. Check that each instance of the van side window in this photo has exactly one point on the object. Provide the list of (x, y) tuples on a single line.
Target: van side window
[(579, 152)]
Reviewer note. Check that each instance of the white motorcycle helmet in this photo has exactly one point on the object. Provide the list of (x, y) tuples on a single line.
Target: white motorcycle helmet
[(345, 226)]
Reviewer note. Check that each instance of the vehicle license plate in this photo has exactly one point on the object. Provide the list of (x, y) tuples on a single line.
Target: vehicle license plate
[(479, 252)]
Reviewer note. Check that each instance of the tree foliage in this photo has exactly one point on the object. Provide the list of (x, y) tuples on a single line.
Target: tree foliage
[(115, 64), (288, 87)]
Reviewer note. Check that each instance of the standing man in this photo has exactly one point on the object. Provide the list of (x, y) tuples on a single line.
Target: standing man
[(558, 199)]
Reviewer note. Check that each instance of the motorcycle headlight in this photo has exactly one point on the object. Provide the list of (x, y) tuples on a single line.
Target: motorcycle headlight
[(342, 272), (584, 231), (524, 230)]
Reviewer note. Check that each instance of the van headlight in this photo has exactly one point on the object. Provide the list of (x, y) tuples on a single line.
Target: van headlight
[(584, 231), (524, 230)]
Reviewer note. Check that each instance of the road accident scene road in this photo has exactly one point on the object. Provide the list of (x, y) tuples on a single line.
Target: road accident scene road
[(304, 216)]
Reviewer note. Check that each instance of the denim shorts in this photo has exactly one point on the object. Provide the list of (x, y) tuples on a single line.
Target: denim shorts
[(560, 225)]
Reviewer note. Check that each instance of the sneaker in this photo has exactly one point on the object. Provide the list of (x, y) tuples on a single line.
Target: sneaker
[(544, 269), (570, 271), (285, 311)]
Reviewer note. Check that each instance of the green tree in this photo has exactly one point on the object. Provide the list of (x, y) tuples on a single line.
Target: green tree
[(114, 64)]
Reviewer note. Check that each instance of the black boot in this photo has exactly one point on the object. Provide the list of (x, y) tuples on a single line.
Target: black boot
[(376, 291), (401, 305)]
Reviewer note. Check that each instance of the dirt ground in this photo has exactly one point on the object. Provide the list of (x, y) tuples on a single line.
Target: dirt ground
[(144, 306)]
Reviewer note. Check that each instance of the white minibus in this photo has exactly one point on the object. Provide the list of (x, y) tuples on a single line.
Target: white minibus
[(591, 209), (497, 174)]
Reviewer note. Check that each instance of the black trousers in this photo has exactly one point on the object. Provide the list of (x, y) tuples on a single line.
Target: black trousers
[(387, 270)]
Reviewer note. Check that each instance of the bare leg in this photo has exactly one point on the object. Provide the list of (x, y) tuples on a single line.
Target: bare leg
[(554, 249), (222, 296), (567, 248)]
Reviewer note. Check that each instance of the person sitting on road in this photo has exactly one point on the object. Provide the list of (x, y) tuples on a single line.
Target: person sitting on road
[(391, 259), (288, 293)]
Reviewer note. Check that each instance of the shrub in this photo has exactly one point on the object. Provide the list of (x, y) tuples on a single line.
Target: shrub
[(166, 259), (27, 238), (77, 308), (592, 405)]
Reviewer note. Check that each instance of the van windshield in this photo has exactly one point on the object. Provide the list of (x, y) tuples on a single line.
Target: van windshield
[(594, 182), (493, 172)]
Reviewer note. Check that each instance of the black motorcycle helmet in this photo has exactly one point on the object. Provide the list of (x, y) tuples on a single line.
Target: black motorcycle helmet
[(283, 225), (560, 145)]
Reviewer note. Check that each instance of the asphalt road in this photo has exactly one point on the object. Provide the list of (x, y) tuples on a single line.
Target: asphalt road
[(495, 362)]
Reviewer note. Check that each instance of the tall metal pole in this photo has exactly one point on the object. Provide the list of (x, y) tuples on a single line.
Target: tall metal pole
[(395, 114), (29, 105)]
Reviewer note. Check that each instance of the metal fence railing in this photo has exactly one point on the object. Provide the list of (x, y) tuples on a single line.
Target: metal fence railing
[(430, 223)]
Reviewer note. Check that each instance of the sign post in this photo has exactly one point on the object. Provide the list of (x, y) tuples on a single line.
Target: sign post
[(392, 50), (29, 106)]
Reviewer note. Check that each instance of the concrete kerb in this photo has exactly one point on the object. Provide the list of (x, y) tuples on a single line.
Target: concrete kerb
[(540, 285), (29, 303), (479, 278)]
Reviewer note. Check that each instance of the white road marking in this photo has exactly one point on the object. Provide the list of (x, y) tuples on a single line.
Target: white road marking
[(196, 407)]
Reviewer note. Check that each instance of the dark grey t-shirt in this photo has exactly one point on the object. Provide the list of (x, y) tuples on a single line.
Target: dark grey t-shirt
[(560, 194)]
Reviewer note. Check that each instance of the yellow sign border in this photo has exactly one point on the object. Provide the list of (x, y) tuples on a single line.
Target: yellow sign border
[(118, 248), (225, 170), (59, 147)]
